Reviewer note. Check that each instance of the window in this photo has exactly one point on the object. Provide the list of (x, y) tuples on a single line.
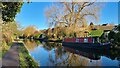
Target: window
[(85, 39)]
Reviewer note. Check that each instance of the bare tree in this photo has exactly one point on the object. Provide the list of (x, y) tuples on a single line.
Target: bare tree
[(71, 13)]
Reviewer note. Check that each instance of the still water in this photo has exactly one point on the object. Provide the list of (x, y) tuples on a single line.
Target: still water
[(54, 54)]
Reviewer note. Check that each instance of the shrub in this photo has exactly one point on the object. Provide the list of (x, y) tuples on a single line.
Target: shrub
[(111, 35)]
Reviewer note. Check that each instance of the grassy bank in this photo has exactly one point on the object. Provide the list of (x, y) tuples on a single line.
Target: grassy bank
[(25, 59)]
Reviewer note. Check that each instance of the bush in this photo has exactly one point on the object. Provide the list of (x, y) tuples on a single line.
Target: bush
[(117, 37), (119, 27), (111, 35)]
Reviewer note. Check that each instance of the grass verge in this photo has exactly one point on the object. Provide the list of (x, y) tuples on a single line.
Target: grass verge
[(25, 59)]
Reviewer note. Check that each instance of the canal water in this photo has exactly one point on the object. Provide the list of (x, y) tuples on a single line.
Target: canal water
[(54, 54)]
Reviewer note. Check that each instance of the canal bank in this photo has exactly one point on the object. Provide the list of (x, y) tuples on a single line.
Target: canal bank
[(18, 56)]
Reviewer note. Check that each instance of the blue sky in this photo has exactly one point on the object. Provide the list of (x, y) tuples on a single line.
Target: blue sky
[(33, 14), (109, 13)]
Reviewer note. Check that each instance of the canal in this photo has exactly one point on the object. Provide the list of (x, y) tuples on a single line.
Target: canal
[(54, 54)]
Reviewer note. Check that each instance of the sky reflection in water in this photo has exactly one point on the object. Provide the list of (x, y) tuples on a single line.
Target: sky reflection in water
[(47, 55)]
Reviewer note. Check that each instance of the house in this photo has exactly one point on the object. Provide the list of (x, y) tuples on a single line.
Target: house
[(106, 29)]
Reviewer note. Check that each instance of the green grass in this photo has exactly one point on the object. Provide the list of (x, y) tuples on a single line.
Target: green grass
[(23, 64), (25, 59)]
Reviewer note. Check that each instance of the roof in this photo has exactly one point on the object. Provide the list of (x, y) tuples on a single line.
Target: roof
[(108, 27), (96, 33)]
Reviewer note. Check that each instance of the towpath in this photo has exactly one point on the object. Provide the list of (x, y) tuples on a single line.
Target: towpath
[(11, 58)]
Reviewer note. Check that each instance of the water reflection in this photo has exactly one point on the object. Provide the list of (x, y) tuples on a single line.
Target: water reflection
[(54, 54), (30, 44), (85, 53)]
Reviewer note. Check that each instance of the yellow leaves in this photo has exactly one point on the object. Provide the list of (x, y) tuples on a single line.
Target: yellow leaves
[(9, 30), (29, 30), (4, 45)]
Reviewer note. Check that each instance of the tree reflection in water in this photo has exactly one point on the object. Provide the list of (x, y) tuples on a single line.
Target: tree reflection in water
[(30, 44), (66, 58), (63, 58), (54, 54)]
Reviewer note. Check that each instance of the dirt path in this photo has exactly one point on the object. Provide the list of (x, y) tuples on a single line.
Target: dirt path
[(11, 58)]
